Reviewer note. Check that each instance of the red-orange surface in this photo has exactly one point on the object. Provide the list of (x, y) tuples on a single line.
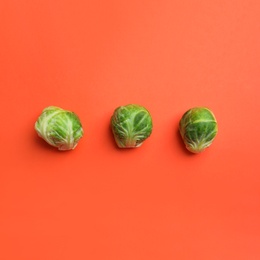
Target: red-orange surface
[(154, 202)]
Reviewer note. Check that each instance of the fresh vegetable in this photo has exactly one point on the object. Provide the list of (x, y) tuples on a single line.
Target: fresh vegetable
[(131, 125), (198, 128), (59, 128)]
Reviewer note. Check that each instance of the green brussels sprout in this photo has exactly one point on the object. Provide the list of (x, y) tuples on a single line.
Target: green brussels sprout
[(198, 128), (59, 128), (131, 125)]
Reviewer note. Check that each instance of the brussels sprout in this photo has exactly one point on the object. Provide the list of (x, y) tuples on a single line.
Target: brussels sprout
[(198, 128), (59, 128), (131, 125)]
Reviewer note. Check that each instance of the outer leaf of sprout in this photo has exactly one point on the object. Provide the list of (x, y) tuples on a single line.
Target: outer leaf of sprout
[(198, 128), (131, 125), (59, 128)]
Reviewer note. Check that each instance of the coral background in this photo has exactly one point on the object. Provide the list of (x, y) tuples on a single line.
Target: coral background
[(155, 202)]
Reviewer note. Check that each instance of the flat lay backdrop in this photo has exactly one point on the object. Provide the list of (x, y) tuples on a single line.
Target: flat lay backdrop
[(155, 202)]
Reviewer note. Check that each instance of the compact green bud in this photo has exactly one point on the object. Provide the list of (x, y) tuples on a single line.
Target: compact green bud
[(59, 128), (198, 128), (131, 125)]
